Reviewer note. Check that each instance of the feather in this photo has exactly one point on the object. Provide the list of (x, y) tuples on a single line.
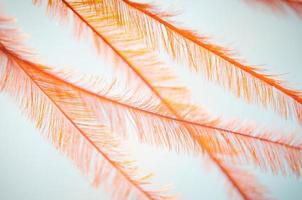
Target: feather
[(280, 5), (244, 182), (108, 36), (61, 114), (164, 86), (151, 123), (211, 61)]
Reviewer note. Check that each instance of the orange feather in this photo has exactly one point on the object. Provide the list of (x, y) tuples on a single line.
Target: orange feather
[(213, 62), (62, 115), (104, 31), (280, 5)]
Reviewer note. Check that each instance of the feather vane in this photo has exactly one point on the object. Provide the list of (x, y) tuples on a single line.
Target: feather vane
[(186, 121), (280, 5), (61, 114), (106, 28), (213, 62)]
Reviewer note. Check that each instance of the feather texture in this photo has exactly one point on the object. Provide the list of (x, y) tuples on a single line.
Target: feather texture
[(280, 5), (105, 28), (213, 62), (61, 114), (163, 83), (244, 181)]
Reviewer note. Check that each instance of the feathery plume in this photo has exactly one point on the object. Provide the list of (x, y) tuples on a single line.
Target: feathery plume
[(213, 62), (60, 112), (114, 39)]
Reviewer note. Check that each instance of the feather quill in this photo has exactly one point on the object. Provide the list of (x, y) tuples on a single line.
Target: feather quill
[(61, 114), (245, 183)]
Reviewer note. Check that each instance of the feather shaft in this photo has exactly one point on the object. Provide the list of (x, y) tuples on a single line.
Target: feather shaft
[(218, 63), (42, 92)]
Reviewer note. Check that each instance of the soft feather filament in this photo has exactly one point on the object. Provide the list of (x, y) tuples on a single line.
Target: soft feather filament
[(280, 5), (106, 33), (62, 115), (213, 62)]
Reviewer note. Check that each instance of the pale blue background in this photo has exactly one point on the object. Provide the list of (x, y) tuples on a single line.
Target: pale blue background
[(31, 169)]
